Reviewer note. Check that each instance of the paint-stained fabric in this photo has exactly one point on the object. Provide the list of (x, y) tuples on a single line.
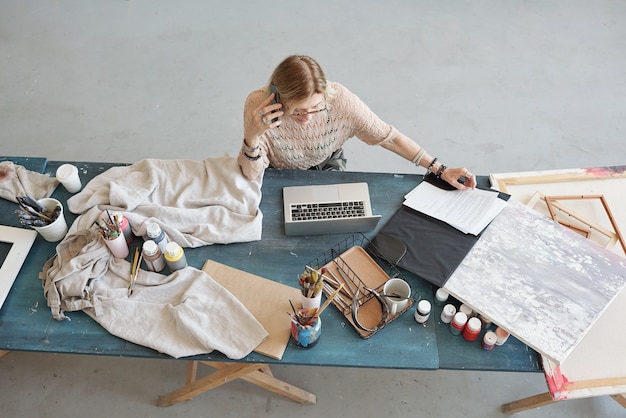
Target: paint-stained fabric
[(185, 313)]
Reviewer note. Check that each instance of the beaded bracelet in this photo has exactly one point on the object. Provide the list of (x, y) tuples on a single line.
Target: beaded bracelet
[(250, 158), (248, 148), (442, 168), (432, 164)]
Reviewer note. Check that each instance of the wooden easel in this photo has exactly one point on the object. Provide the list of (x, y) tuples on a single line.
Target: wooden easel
[(258, 374), (539, 184), (544, 399), (552, 202)]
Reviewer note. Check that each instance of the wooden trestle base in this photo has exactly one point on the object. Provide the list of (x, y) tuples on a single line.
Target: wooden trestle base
[(258, 374)]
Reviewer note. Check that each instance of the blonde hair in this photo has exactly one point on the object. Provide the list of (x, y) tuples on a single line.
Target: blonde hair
[(298, 77)]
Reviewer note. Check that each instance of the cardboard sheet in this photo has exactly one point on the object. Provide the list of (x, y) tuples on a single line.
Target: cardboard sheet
[(266, 299)]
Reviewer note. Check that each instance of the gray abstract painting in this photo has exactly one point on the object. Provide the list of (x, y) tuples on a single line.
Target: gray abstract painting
[(542, 282)]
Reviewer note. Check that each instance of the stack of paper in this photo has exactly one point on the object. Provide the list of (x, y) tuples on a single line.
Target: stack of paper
[(469, 211)]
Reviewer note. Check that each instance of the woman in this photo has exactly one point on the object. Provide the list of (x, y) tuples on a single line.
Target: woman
[(301, 121)]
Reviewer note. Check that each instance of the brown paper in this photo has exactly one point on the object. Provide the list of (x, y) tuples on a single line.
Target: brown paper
[(266, 299)]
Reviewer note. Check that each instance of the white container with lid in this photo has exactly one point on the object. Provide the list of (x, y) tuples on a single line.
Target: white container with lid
[(422, 313), (448, 313), (67, 175), (441, 296)]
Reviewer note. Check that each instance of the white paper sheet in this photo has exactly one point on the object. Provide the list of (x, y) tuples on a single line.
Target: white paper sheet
[(469, 211)]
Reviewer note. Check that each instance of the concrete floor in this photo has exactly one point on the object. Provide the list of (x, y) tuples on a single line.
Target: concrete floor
[(495, 86)]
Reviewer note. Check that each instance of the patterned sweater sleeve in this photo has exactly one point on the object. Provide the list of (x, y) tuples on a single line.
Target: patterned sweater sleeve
[(368, 127)]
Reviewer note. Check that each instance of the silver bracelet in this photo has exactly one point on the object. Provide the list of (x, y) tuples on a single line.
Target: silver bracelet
[(248, 148)]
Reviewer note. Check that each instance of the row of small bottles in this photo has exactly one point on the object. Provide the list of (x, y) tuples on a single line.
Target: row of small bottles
[(461, 322), (159, 251)]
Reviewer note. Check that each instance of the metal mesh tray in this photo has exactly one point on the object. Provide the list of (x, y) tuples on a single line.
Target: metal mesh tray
[(358, 264)]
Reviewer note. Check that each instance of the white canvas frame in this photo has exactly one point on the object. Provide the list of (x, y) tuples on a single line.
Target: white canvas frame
[(21, 241)]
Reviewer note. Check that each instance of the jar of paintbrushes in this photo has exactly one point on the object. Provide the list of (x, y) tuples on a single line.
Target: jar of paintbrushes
[(44, 216), (112, 234), (311, 283), (306, 324)]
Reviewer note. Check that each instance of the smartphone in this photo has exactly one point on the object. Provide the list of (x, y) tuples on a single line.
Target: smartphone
[(276, 99), (274, 90)]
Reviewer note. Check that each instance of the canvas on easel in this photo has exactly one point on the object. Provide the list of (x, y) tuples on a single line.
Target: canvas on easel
[(597, 365), (583, 225)]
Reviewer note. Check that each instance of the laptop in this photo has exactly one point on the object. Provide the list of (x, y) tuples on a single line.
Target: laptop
[(328, 209)]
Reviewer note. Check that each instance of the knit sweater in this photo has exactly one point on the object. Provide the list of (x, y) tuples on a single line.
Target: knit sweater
[(296, 146)]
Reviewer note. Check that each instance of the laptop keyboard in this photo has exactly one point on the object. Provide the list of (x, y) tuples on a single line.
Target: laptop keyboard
[(332, 210)]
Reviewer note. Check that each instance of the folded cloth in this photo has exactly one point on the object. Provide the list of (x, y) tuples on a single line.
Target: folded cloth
[(187, 312), (16, 180)]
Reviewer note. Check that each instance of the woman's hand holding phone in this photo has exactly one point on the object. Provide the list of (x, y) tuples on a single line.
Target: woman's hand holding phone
[(266, 116)]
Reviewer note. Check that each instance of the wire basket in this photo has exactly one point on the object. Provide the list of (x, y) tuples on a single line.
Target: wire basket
[(359, 265)]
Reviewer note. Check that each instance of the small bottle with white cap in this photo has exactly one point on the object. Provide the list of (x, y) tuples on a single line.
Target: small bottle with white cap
[(447, 314), (422, 313), (156, 234), (175, 256), (152, 256)]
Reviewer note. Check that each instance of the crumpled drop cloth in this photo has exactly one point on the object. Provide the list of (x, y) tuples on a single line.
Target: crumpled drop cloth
[(183, 314), (196, 203), (16, 180)]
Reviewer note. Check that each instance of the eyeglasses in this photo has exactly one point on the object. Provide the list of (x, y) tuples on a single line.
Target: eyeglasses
[(309, 112)]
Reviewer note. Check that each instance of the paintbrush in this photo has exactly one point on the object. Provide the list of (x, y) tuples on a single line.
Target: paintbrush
[(293, 308), (312, 282), (133, 271), (109, 229), (329, 300), (303, 316), (30, 202), (33, 213)]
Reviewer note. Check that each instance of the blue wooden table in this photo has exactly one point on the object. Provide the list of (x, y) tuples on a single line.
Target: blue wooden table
[(26, 323)]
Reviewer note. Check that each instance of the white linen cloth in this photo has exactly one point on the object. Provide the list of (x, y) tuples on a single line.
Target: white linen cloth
[(17, 180), (183, 314)]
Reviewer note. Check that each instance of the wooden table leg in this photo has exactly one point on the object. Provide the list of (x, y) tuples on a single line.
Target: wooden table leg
[(527, 403), (4, 353), (264, 378), (192, 372), (258, 374)]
